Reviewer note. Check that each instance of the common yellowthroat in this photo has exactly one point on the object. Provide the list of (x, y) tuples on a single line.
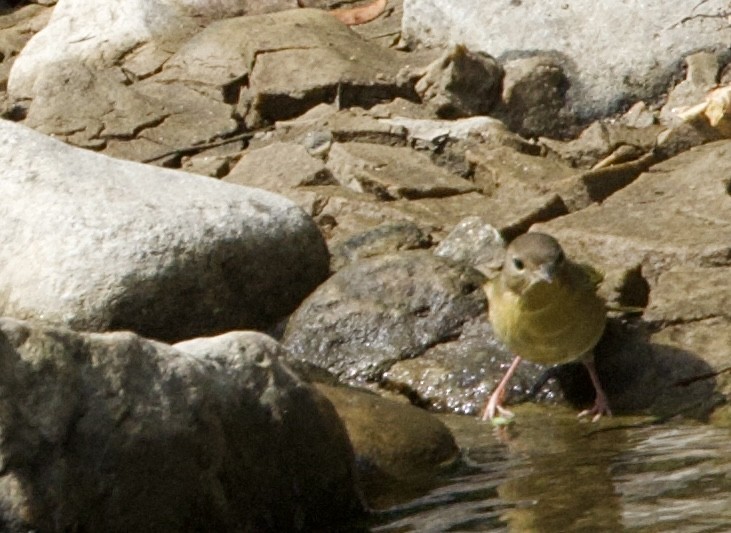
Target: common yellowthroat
[(545, 308)]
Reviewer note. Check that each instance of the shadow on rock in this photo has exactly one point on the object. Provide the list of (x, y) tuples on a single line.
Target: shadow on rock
[(640, 376)]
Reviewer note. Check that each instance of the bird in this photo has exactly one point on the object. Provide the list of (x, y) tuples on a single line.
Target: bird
[(544, 307)]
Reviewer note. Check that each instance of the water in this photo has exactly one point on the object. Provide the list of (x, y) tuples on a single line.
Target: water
[(550, 473)]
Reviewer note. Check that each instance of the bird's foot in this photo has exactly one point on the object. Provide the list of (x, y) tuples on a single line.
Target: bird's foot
[(600, 409), (494, 408)]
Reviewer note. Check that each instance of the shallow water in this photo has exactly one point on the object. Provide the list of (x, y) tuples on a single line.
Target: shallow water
[(549, 472)]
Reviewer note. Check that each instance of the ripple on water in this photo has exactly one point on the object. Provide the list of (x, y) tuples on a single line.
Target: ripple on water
[(550, 473)]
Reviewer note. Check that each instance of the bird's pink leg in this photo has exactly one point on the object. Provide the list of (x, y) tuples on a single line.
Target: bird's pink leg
[(601, 404), (495, 403)]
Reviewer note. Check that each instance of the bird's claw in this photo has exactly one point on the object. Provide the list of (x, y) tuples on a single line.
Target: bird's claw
[(494, 408), (600, 409)]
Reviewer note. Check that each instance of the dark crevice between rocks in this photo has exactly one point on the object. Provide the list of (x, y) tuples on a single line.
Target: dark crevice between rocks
[(231, 91), (17, 112), (136, 131), (403, 389)]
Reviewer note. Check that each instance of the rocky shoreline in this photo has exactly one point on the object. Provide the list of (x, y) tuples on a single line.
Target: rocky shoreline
[(202, 173)]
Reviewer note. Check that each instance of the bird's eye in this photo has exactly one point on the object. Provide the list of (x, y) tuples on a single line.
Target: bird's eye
[(560, 257), (518, 264)]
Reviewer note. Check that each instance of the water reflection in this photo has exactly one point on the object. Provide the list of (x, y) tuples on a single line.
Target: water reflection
[(549, 472)]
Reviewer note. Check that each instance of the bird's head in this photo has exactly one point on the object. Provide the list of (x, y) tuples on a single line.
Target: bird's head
[(531, 260)]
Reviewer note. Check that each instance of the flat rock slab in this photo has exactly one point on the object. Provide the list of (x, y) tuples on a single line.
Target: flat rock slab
[(676, 214), (392, 172), (293, 60), (279, 166), (97, 243), (613, 51)]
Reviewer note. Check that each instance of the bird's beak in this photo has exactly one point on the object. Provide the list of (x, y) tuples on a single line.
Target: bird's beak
[(545, 273)]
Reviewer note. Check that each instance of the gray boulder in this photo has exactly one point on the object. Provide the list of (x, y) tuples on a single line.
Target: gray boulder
[(97, 243), (113, 432), (612, 51)]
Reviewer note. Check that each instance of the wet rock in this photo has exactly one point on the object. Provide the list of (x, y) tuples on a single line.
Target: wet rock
[(671, 227), (708, 338), (392, 172), (96, 244), (393, 441), (461, 83), (641, 374), (606, 69), (280, 166), (381, 240), (459, 375), (377, 311), (112, 432)]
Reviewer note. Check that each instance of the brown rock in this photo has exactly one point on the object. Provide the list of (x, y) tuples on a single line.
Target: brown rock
[(533, 96), (461, 83), (344, 125), (676, 214), (512, 211), (393, 441), (383, 239), (390, 172), (314, 59), (279, 166), (701, 77)]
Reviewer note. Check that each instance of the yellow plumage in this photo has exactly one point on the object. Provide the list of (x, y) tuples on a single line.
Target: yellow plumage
[(549, 323), (545, 308)]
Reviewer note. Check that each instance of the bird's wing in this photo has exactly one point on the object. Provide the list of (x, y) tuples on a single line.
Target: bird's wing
[(591, 274)]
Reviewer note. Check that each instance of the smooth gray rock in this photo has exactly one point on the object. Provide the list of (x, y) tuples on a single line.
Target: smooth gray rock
[(97, 243), (114, 432), (613, 51)]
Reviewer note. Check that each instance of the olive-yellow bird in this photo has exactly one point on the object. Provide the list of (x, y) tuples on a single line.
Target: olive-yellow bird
[(545, 308)]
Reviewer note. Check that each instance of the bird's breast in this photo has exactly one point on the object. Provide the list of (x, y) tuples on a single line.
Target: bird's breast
[(552, 324)]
